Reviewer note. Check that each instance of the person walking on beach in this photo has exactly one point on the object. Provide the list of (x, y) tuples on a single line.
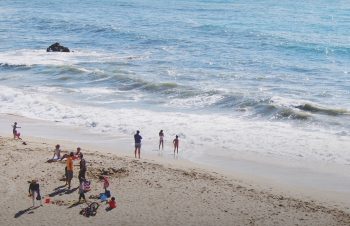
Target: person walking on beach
[(161, 139), (82, 170), (138, 139), (34, 191), (69, 175), (14, 131), (176, 144), (81, 191)]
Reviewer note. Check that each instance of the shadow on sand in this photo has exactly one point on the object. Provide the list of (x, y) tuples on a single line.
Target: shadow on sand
[(59, 191), (26, 211)]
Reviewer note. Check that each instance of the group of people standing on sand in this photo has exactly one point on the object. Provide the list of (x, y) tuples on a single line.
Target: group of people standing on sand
[(34, 188), (78, 155), (138, 138), (84, 185)]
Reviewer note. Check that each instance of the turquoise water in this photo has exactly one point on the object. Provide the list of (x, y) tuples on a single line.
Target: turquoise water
[(223, 75)]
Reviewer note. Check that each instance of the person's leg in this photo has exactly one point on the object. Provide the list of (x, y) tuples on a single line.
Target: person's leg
[(83, 195), (139, 151), (33, 197), (70, 176), (135, 151), (40, 200), (83, 175), (66, 173)]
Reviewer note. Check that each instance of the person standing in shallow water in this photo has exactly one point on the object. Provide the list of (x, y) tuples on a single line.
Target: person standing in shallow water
[(161, 139), (137, 139), (176, 144)]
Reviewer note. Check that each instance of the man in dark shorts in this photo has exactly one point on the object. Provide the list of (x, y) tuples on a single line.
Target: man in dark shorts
[(138, 139), (69, 169)]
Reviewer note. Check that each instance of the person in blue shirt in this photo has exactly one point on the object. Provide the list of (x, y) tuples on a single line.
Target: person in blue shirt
[(138, 139)]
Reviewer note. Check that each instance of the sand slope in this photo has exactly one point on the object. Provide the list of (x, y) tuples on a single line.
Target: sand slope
[(147, 194)]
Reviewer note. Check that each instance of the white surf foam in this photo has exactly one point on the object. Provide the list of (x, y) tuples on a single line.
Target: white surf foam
[(30, 57), (221, 135)]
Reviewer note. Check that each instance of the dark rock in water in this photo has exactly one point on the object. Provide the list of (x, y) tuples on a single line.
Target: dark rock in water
[(57, 48)]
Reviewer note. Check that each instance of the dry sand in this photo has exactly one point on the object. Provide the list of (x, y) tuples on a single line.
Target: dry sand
[(147, 193)]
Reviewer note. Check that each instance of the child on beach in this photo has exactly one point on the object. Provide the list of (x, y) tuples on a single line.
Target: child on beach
[(112, 203), (82, 191), (57, 152), (77, 153), (105, 182), (14, 131), (34, 191), (176, 144), (161, 139)]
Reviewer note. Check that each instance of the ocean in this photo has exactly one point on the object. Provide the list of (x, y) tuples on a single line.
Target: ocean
[(231, 78)]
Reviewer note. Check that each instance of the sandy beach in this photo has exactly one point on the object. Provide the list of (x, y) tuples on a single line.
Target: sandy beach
[(147, 193), (254, 94)]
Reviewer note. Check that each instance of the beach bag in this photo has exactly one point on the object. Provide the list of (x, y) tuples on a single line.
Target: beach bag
[(86, 186), (91, 210)]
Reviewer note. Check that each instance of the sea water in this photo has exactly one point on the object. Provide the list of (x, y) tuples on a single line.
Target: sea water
[(231, 78)]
